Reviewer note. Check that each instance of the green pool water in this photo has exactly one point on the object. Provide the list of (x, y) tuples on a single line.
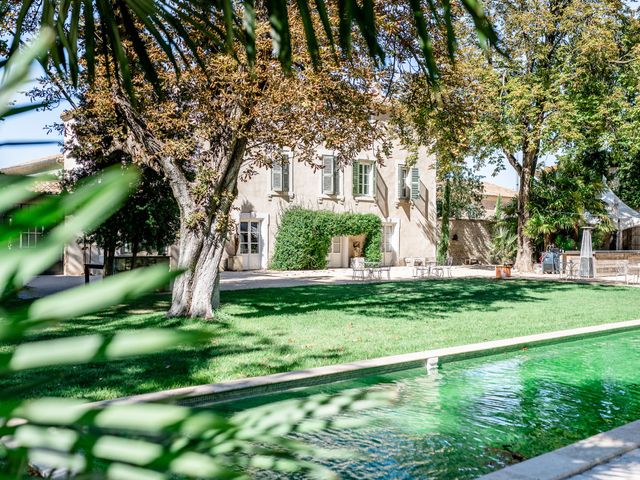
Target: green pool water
[(475, 416)]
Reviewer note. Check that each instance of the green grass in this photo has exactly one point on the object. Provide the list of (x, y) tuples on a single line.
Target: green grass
[(274, 330)]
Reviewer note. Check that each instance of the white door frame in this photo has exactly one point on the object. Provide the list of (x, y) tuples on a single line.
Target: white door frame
[(251, 260), (391, 258)]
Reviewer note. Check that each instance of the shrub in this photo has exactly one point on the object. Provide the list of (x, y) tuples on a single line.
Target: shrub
[(304, 237)]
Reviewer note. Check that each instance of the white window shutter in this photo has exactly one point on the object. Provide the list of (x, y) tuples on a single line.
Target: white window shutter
[(328, 175), (276, 176), (402, 190), (415, 183), (286, 167)]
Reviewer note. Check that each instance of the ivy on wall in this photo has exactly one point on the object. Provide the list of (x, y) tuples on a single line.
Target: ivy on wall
[(304, 237)]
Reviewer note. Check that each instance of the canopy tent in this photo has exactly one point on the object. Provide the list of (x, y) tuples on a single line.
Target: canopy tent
[(623, 215)]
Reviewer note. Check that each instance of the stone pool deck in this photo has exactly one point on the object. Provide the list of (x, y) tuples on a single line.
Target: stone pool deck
[(44, 285), (612, 455)]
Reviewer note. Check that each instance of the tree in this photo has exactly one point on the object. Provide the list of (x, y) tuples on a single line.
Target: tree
[(563, 199), (559, 87), (211, 127), (148, 220), (201, 191)]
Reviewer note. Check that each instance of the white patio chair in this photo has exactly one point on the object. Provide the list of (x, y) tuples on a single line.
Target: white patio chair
[(358, 269)]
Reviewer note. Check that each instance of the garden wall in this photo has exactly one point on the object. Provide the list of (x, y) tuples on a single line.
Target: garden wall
[(470, 239)]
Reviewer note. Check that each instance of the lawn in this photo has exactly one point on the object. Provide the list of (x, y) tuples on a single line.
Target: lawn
[(274, 330)]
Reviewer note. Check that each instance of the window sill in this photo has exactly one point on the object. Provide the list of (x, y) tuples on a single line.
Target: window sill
[(285, 195), (365, 199), (331, 198)]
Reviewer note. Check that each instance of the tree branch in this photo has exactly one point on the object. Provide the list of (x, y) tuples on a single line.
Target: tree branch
[(513, 161)]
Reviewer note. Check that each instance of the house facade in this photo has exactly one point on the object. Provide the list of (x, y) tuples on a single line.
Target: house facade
[(401, 192)]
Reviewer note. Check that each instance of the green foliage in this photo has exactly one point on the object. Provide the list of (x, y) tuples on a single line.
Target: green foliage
[(504, 242), (443, 244), (562, 198), (149, 219), (172, 25), (304, 237)]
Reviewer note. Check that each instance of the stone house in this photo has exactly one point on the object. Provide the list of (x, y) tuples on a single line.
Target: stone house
[(402, 195), (401, 192)]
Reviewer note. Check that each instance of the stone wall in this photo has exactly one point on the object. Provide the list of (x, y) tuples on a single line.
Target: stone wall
[(470, 239)]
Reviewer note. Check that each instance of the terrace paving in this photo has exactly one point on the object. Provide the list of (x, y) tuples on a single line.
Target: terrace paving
[(612, 455)]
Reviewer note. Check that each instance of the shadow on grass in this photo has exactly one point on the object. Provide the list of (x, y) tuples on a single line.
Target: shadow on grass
[(408, 300)]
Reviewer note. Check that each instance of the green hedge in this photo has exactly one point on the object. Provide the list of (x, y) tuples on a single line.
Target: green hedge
[(304, 237)]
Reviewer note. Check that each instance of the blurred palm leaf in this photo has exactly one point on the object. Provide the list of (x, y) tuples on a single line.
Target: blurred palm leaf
[(122, 441), (87, 28)]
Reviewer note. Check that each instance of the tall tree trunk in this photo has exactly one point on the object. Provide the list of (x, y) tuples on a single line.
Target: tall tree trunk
[(196, 292), (135, 245), (525, 245), (202, 240), (525, 171), (109, 260)]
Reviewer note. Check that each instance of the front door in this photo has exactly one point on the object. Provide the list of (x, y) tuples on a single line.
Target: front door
[(388, 252), (337, 252), (250, 245)]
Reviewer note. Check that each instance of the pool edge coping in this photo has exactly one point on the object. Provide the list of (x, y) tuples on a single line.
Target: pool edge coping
[(278, 382), (571, 460)]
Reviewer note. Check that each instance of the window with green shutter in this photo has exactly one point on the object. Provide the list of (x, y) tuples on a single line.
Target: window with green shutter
[(364, 179)]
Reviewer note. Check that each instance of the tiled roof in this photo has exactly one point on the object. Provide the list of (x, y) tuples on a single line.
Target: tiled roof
[(491, 189)]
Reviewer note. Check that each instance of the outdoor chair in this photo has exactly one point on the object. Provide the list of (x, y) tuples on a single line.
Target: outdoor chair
[(357, 268), (384, 269)]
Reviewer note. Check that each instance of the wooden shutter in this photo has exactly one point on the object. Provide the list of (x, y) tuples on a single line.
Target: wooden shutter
[(356, 179), (328, 175), (402, 190), (276, 175), (415, 183), (285, 166), (336, 177)]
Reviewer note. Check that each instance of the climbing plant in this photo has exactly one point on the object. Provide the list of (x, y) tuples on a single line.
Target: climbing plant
[(304, 237)]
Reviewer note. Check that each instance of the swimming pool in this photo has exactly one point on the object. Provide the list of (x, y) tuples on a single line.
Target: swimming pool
[(475, 416)]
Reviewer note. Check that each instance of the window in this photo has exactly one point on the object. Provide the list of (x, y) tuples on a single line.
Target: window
[(249, 237), (31, 237), (387, 236), (280, 170), (363, 179), (330, 176), (408, 183), (336, 245), (404, 189)]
